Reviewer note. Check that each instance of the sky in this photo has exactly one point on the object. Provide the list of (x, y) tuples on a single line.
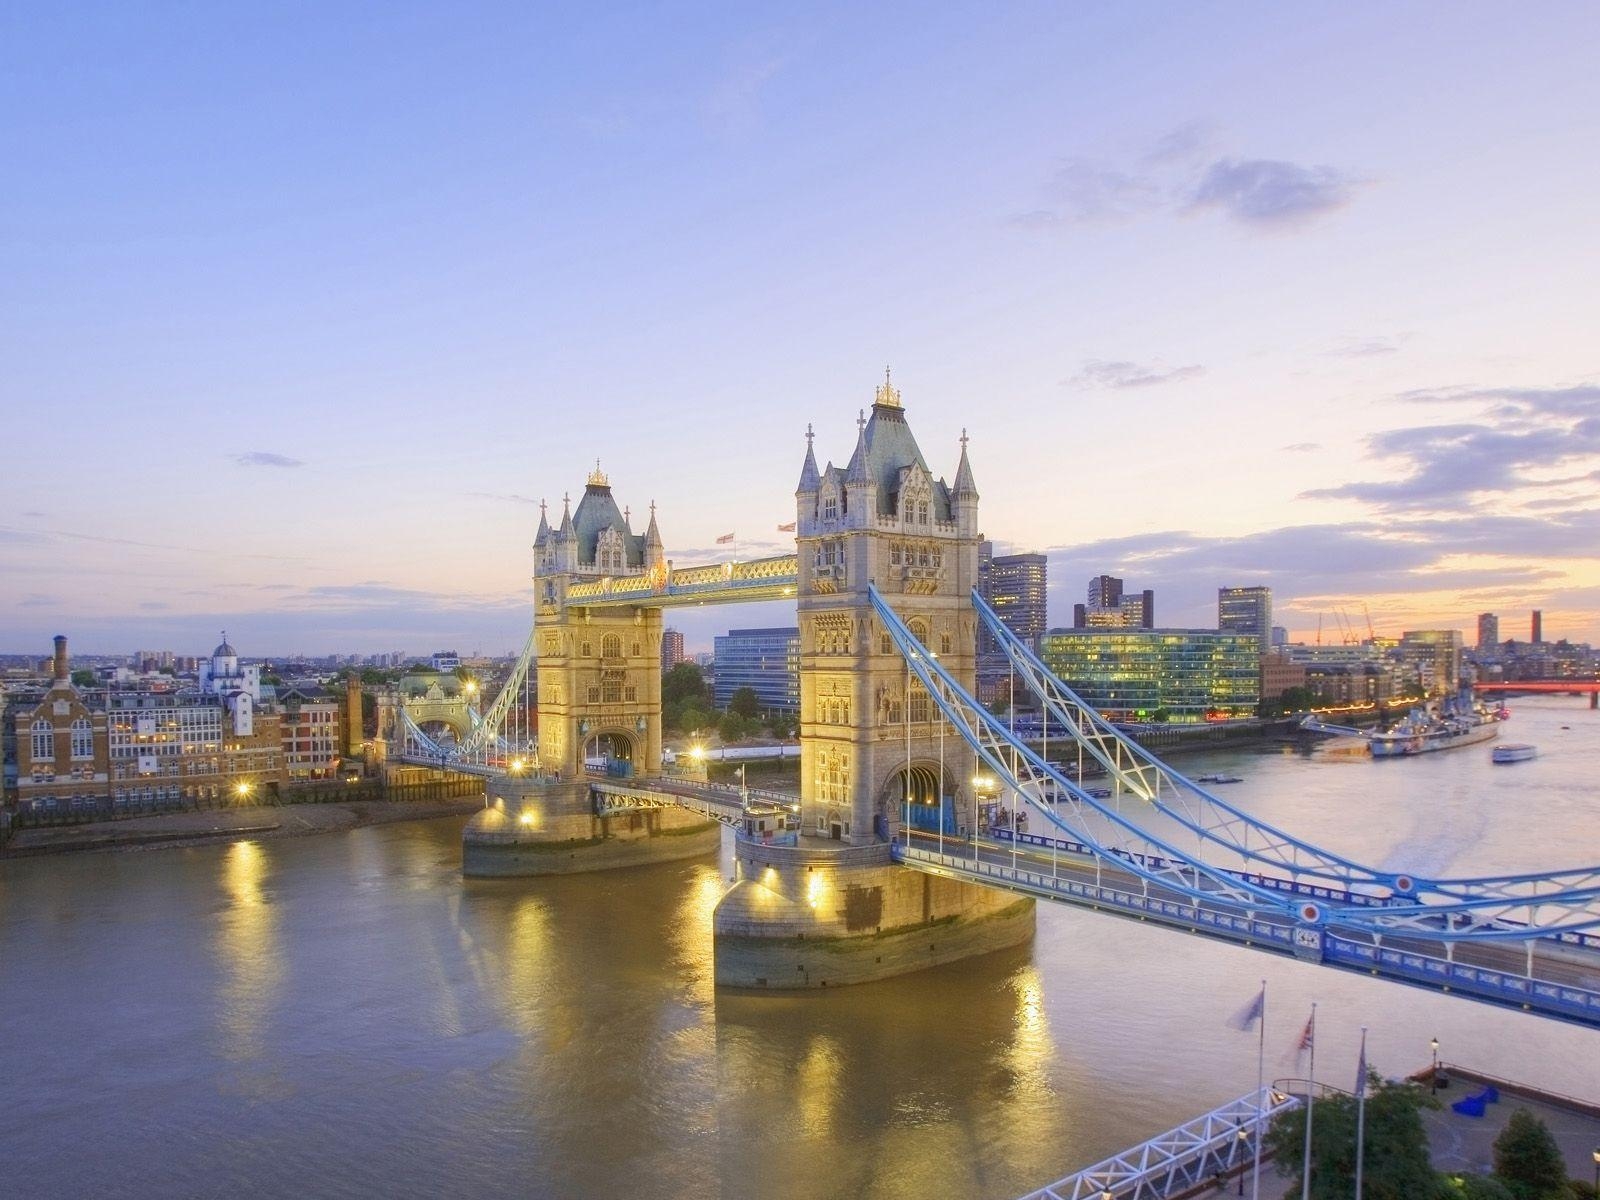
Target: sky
[(308, 306)]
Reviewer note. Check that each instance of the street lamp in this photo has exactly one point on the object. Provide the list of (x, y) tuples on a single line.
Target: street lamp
[(1243, 1136), (1433, 1079), (1596, 1157), (241, 789)]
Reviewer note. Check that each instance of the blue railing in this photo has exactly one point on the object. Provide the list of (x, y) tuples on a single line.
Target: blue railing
[(1463, 977)]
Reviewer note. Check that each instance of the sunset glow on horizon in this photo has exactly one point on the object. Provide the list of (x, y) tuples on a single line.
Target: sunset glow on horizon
[(306, 315)]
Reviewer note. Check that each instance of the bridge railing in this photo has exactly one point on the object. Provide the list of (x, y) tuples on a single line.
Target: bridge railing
[(1220, 1141)]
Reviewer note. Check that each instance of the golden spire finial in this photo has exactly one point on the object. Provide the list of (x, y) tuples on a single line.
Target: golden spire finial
[(597, 477), (888, 394)]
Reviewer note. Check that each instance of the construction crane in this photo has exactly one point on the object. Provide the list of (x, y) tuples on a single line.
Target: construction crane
[(1372, 634)]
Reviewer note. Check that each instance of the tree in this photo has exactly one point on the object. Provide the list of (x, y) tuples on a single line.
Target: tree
[(685, 683), (1396, 1163), (733, 727), (1527, 1159), (83, 677), (745, 702)]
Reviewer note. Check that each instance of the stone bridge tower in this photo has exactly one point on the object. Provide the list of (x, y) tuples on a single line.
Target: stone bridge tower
[(599, 670), (869, 731)]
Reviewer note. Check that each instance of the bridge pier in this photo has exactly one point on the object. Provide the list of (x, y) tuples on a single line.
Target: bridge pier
[(544, 827), (817, 915)]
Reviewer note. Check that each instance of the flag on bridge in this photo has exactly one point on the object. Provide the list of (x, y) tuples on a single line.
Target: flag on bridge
[(725, 539), (1245, 1019), (789, 528)]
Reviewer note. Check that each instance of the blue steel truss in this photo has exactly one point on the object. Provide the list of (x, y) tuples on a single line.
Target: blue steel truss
[(1506, 915), (1219, 823)]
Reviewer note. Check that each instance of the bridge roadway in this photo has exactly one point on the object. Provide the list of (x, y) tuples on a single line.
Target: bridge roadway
[(1557, 977)]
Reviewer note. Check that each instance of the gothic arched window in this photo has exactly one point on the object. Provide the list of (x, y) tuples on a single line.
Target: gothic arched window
[(611, 646), (44, 741), (82, 738)]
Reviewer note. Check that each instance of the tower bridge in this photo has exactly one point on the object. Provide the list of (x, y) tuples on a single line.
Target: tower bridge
[(907, 844)]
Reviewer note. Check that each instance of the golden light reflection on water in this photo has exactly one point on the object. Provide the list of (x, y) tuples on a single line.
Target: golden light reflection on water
[(693, 946), (248, 952), (817, 1082), (523, 973)]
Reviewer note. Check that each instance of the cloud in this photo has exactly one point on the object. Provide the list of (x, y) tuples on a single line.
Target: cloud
[(1080, 191), (1179, 145), (504, 497), (1301, 447), (1366, 347), (1100, 373), (1305, 564), (265, 458), (1270, 194), (1178, 174), (1519, 433)]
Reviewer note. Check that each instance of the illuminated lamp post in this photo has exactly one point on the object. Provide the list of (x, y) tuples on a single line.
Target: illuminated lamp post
[(1433, 1078)]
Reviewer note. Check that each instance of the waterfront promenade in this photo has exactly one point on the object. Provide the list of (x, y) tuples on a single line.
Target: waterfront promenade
[(249, 821)]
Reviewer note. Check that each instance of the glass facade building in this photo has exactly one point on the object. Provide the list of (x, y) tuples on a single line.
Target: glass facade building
[(1134, 674), (1246, 610), (766, 660)]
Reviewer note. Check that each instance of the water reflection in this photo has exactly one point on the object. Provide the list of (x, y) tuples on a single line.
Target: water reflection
[(247, 951)]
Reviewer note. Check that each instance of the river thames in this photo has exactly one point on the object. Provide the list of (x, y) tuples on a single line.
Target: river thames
[(344, 1015)]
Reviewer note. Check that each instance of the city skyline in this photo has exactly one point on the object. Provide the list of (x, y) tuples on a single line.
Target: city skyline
[(300, 340)]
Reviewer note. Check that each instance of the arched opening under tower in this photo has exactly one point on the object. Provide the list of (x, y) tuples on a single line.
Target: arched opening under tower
[(914, 793), (610, 750), (442, 733)]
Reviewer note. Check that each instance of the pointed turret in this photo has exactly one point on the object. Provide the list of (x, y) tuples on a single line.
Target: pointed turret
[(857, 472), (964, 488), (655, 551), (810, 479), (542, 538), (964, 495)]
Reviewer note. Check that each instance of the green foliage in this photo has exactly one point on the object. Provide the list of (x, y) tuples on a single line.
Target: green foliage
[(685, 682), (733, 727), (1473, 1187), (1528, 1161), (83, 677), (745, 702), (782, 725), (1396, 1156)]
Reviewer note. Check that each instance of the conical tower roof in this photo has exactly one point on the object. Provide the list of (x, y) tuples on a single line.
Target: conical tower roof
[(965, 487), (810, 480)]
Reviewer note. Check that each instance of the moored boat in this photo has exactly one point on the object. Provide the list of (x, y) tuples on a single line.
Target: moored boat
[(1513, 752), (1459, 722)]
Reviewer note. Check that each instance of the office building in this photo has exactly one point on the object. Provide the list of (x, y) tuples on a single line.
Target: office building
[(1180, 675), (1019, 591), (1488, 631), (1246, 610), (1433, 658), (1537, 631), (764, 660), (1110, 606)]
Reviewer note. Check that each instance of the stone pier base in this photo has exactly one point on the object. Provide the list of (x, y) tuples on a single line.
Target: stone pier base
[(821, 915), (534, 828)]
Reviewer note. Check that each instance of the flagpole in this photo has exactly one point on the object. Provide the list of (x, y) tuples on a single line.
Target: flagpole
[(1361, 1111), (1311, 1079), (1261, 1067)]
